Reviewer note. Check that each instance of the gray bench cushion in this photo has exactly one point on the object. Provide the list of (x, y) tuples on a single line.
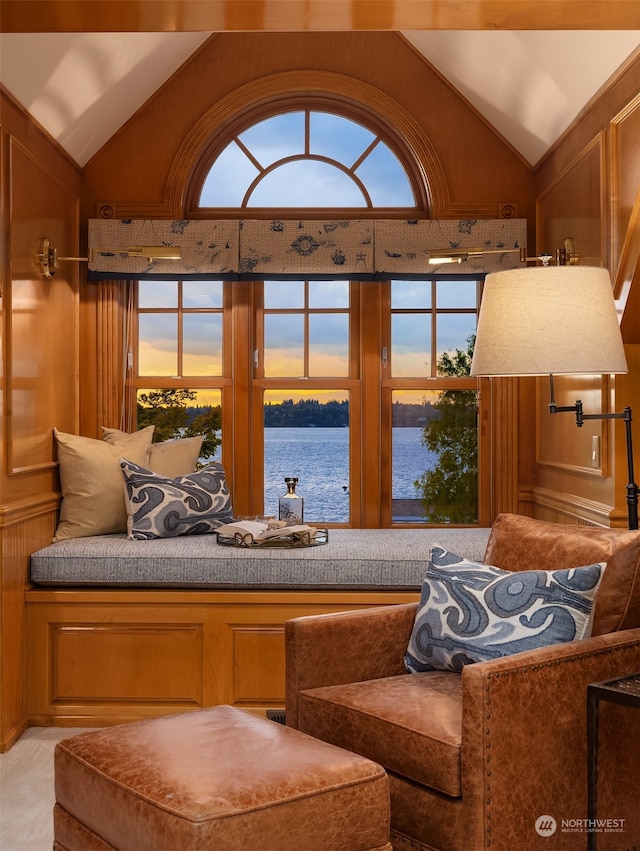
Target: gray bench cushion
[(378, 559)]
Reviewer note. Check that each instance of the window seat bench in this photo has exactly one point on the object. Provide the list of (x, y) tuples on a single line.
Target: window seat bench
[(118, 630), (373, 559)]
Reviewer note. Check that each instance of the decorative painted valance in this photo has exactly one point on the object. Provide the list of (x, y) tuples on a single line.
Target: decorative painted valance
[(404, 247), (279, 247), (208, 248), (363, 249)]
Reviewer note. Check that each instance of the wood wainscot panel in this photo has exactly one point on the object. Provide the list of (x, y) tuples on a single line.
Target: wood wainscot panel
[(99, 657), (115, 658), (575, 480), (560, 443), (258, 665), (24, 526), (126, 663)]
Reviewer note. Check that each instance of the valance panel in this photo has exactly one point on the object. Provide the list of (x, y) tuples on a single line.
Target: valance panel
[(207, 247), (404, 247), (296, 248), (306, 247)]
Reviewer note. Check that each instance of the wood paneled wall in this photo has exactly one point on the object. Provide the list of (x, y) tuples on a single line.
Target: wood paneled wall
[(587, 189), (41, 192), (373, 69)]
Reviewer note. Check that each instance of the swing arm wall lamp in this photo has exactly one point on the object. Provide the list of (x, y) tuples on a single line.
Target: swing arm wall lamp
[(48, 258)]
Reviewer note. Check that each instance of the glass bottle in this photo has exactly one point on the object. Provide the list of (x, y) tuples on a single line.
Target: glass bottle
[(291, 504)]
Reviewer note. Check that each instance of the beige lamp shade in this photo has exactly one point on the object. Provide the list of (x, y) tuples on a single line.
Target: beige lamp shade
[(546, 320)]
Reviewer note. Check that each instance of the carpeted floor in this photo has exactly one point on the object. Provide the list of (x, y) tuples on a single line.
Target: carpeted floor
[(26, 790)]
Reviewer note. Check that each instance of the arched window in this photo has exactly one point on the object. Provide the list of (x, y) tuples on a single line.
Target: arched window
[(332, 381), (307, 158)]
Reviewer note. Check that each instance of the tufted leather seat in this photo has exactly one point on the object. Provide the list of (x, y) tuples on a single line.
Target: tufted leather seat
[(221, 779), (474, 759)]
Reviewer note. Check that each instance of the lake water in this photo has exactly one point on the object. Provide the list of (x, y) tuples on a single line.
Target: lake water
[(319, 457)]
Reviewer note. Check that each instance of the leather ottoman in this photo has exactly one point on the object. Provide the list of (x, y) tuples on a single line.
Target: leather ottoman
[(218, 778)]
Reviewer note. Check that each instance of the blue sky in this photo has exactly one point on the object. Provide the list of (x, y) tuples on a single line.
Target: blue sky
[(358, 158)]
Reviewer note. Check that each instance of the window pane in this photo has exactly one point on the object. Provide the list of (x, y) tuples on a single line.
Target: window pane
[(275, 138), (229, 178), (446, 476), (293, 175), (453, 331), (328, 294), (283, 345), (410, 295), (181, 412), (279, 295), (158, 294), (435, 457), (308, 437), (409, 457), (338, 138), (157, 344), (329, 344), (411, 345), (456, 294), (306, 183), (202, 294), (385, 179), (202, 344)]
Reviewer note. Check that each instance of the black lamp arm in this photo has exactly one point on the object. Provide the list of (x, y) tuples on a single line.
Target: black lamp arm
[(632, 487)]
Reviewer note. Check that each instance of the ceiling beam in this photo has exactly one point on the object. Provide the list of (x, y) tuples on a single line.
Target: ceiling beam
[(314, 15)]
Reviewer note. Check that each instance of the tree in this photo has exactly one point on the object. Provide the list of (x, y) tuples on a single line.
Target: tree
[(168, 411), (449, 492)]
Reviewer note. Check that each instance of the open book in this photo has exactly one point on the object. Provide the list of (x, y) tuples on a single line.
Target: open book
[(256, 531)]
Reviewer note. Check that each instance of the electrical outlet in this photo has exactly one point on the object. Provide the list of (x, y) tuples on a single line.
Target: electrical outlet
[(595, 451)]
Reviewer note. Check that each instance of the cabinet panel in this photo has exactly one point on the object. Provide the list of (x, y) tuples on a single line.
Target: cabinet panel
[(103, 657), (258, 665), (129, 663)]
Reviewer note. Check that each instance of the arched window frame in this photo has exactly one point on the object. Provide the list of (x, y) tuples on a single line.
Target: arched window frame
[(339, 106)]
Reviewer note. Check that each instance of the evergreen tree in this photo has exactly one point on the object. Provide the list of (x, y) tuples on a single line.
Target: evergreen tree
[(449, 492), (168, 411)]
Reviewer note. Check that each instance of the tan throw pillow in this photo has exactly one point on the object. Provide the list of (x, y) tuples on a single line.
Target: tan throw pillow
[(116, 435), (174, 458), (171, 458), (91, 481)]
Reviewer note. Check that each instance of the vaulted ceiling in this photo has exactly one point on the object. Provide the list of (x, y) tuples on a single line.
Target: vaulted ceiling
[(83, 67)]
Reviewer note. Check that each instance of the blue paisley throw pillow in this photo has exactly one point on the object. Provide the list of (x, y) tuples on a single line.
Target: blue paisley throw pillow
[(473, 612), (159, 507)]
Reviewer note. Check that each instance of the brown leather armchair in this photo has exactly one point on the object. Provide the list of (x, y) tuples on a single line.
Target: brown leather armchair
[(475, 759)]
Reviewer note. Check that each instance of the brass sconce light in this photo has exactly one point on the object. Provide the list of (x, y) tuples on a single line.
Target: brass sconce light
[(459, 255), (48, 258), (567, 255)]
